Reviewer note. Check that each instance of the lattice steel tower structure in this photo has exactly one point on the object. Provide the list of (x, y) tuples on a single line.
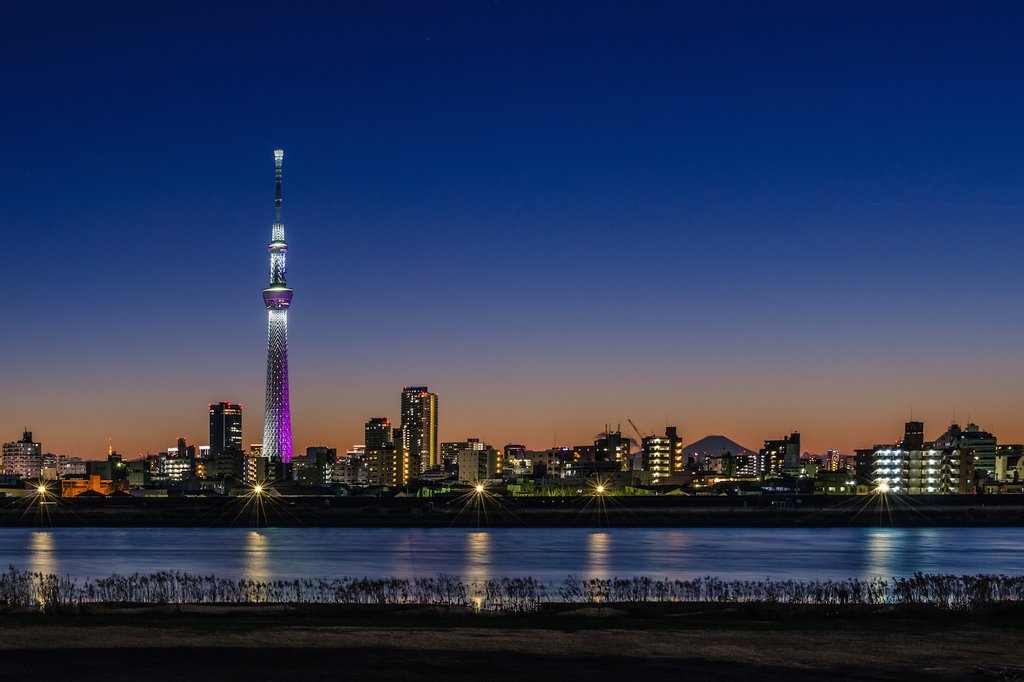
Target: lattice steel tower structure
[(277, 417)]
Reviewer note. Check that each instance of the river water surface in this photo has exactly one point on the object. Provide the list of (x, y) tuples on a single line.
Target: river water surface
[(547, 554)]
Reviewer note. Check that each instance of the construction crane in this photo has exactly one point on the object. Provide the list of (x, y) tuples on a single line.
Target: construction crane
[(638, 431)]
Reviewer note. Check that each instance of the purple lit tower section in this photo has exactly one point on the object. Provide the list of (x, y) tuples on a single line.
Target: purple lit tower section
[(277, 417)]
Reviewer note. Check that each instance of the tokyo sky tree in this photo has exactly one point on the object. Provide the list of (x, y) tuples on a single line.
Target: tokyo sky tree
[(277, 417)]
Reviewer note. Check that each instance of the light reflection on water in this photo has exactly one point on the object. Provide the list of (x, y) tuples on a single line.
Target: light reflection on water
[(257, 549), (41, 557), (547, 554), (598, 548), (477, 556)]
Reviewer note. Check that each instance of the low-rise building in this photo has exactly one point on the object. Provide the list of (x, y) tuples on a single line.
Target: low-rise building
[(73, 487)]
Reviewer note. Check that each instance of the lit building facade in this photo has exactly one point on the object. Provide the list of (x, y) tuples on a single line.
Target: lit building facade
[(450, 450), (277, 416), (662, 456), (385, 460), (23, 458), (376, 433), (1010, 462), (316, 467), (931, 471), (782, 456), (419, 428), (516, 459), (480, 465), (225, 428), (612, 447), (979, 445)]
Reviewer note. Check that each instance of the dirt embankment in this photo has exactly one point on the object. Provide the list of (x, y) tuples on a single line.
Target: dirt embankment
[(596, 644)]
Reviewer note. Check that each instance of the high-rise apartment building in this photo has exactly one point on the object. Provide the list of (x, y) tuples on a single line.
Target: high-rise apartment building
[(932, 471), (23, 458), (225, 427), (980, 446), (419, 428), (377, 433), (662, 455)]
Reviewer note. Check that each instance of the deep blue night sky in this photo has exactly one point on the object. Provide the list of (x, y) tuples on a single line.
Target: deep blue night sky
[(737, 217)]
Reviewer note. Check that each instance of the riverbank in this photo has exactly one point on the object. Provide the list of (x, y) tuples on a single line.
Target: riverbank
[(500, 512), (707, 643)]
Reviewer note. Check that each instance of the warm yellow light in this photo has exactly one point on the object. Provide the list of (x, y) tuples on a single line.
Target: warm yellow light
[(883, 487), (600, 489), (479, 488), (41, 490), (257, 489)]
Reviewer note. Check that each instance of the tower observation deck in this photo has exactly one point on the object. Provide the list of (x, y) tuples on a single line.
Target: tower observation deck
[(277, 417)]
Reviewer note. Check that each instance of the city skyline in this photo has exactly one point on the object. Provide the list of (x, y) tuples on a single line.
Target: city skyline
[(729, 220)]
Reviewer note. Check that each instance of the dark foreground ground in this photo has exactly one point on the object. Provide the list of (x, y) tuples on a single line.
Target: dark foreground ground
[(225, 643)]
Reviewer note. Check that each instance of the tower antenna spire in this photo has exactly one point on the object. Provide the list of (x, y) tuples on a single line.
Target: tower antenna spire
[(278, 161)]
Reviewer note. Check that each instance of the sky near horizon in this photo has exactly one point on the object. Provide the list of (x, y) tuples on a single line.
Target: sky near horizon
[(742, 218)]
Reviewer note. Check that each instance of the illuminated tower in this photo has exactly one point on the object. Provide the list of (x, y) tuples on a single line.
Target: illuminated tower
[(419, 428), (277, 417)]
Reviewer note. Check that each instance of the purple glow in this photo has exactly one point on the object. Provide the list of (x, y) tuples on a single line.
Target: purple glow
[(277, 417)]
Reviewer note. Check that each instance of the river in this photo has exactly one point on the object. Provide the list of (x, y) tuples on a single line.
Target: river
[(547, 554)]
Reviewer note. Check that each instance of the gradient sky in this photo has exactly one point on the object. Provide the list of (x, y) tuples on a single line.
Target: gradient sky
[(735, 217)]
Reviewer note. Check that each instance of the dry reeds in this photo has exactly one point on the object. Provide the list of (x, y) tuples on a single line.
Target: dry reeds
[(23, 590)]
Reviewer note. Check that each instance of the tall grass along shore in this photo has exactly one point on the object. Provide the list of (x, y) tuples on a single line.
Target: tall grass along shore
[(35, 591)]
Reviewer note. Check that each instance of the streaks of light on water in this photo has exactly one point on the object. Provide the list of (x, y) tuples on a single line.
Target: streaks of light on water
[(543, 553)]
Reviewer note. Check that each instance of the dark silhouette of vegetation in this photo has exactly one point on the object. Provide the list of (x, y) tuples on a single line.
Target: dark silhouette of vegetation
[(24, 590)]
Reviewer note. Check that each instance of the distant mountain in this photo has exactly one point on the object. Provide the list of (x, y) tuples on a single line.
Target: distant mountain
[(715, 446)]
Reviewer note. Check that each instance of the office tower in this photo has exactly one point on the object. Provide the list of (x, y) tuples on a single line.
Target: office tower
[(277, 417), (225, 427), (419, 428)]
